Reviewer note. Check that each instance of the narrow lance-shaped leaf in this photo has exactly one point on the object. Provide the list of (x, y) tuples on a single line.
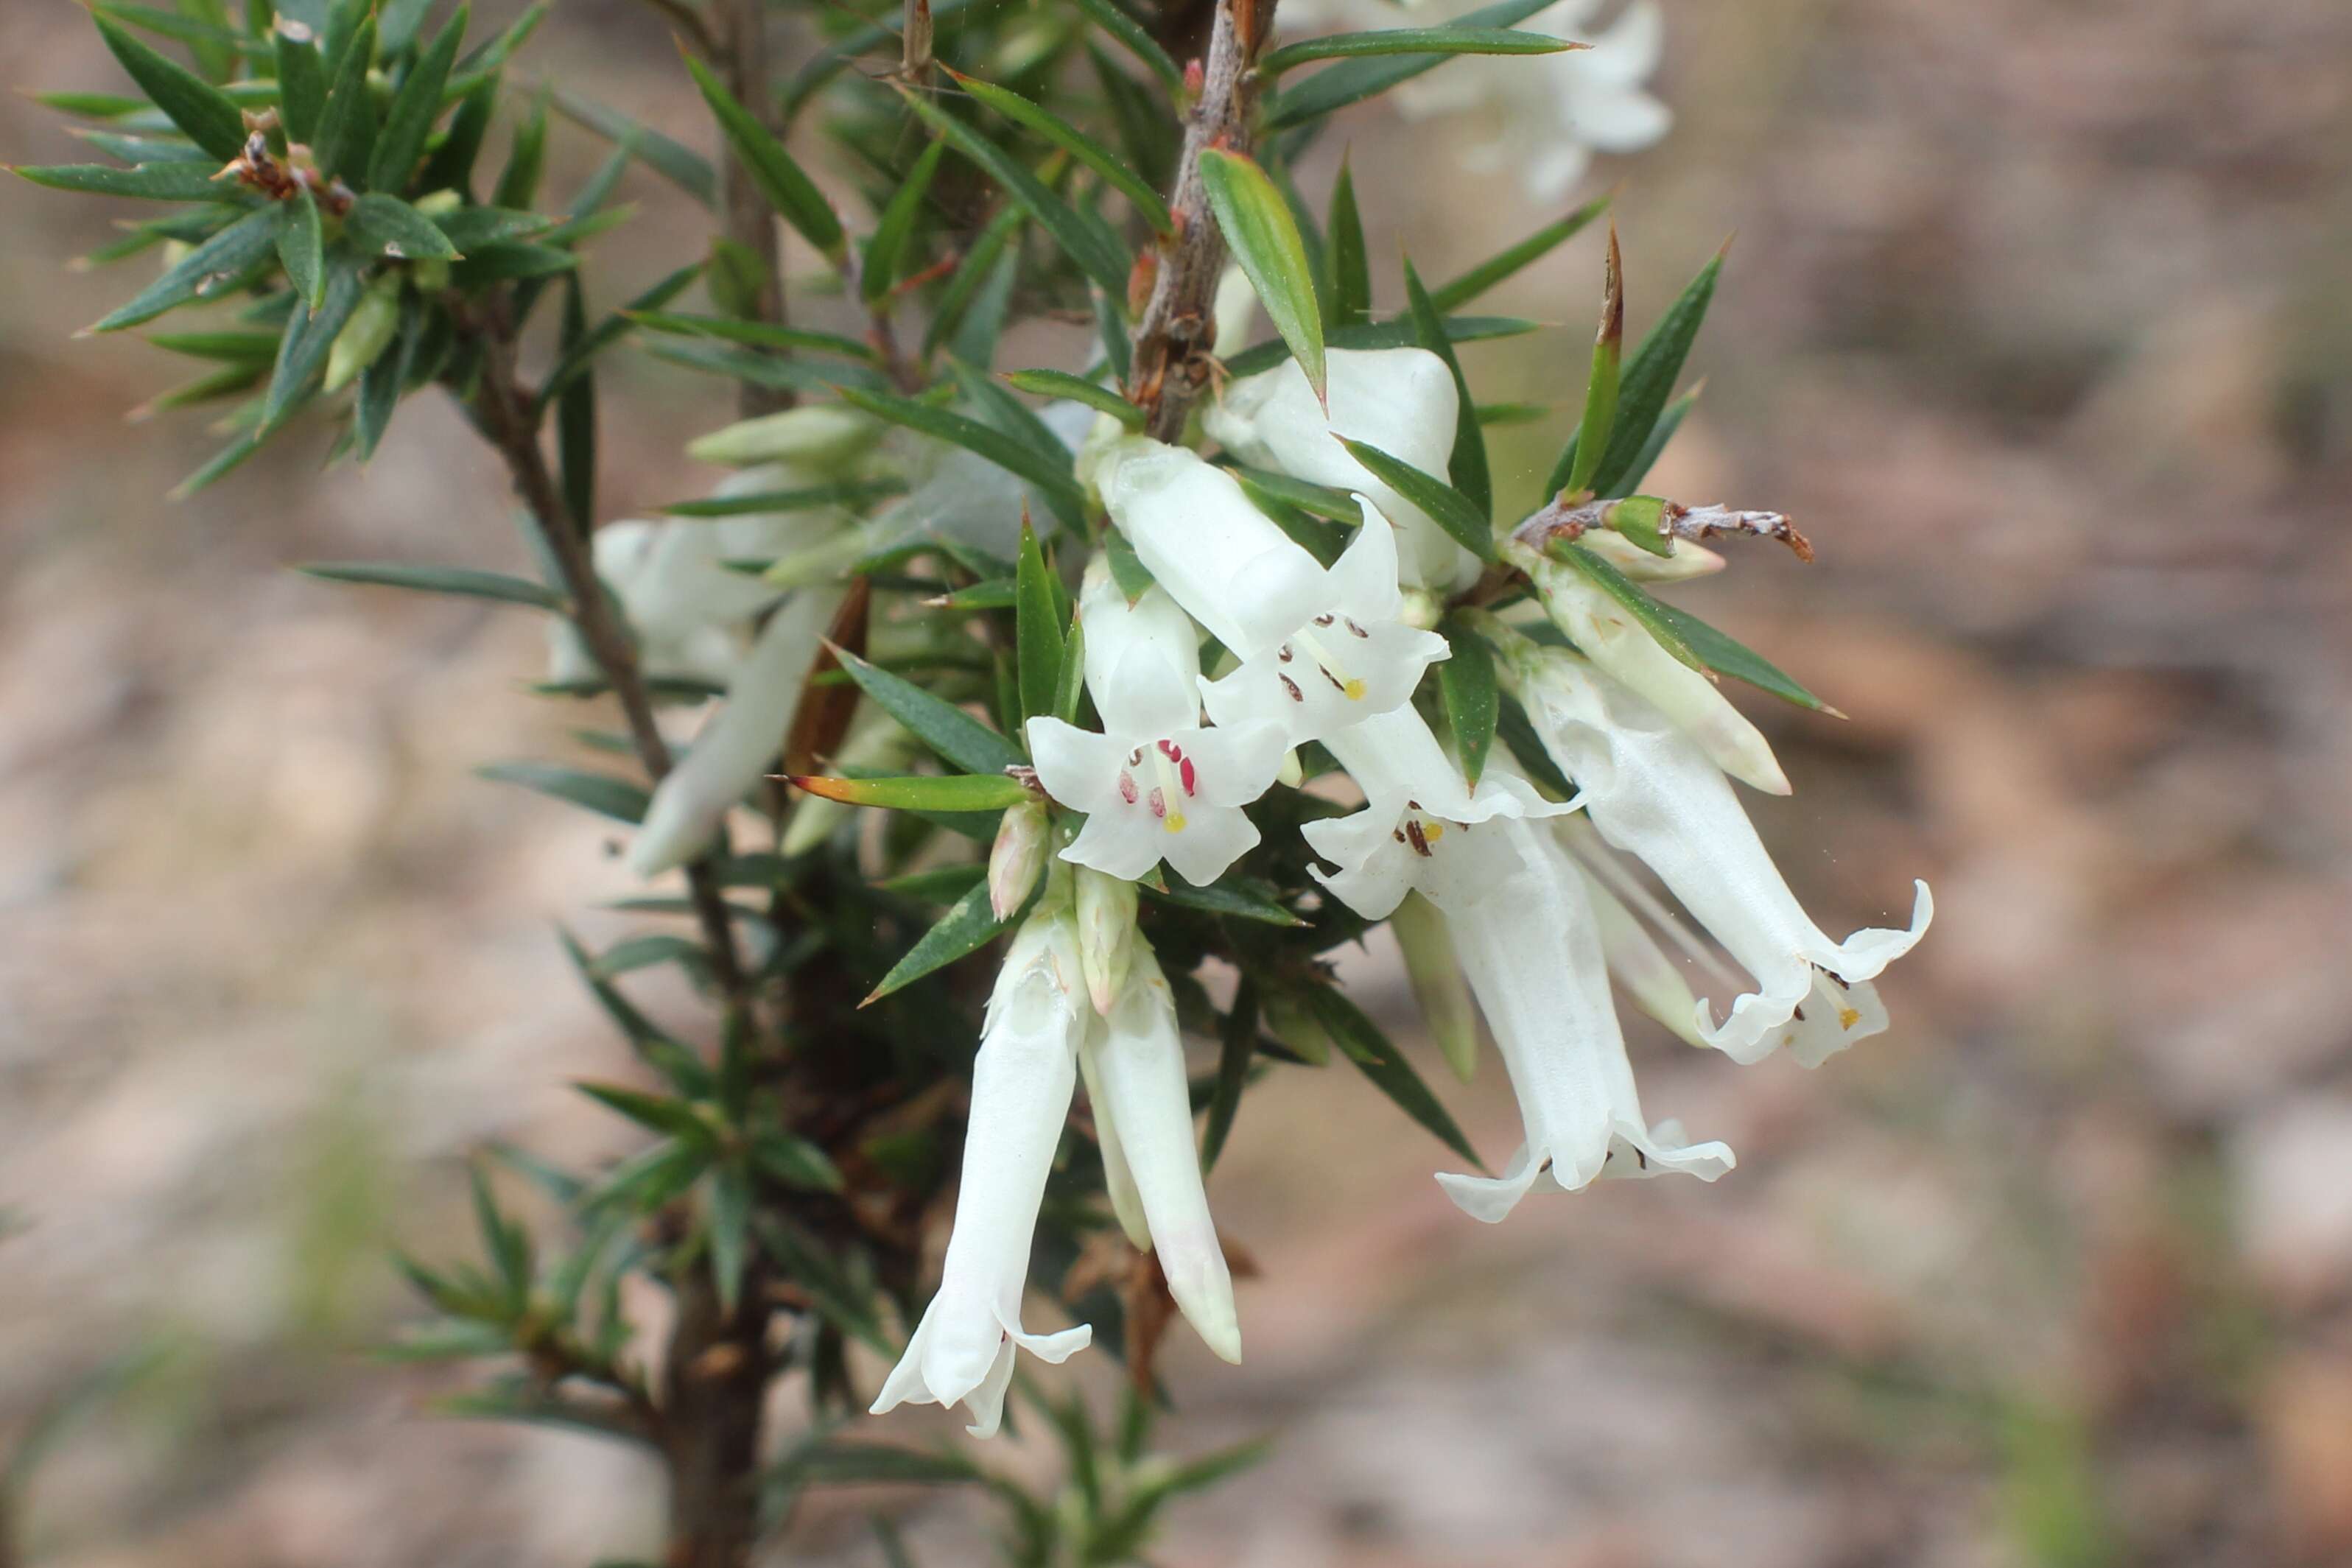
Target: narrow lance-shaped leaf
[(1350, 300), (381, 224), (781, 179), (919, 793), (1467, 461), (462, 581), (1258, 225), (301, 247), (1071, 140), (1236, 1043), (1727, 656), (1648, 380), (674, 160), (1037, 628), (347, 124), (968, 925), (310, 338), (1447, 506), (1094, 394), (575, 417), (885, 251), (1083, 236), (1467, 681), (147, 183), (938, 723), (1459, 291), (210, 118), (301, 78), (618, 798), (1361, 1040), (1107, 14), (418, 104), (1601, 389), (1352, 81), (1397, 333), (942, 424), (1454, 40)]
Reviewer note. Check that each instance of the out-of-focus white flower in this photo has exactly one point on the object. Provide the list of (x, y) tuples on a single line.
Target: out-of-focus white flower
[(1154, 784), (1021, 1086), (822, 437), (1551, 112), (1654, 793), (1606, 632), (1402, 401), (1231, 313), (731, 752), (1319, 650), (1684, 561), (1137, 1082)]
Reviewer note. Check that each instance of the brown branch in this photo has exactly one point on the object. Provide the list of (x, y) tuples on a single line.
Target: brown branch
[(508, 417), (715, 1382), (1172, 364), (740, 50)]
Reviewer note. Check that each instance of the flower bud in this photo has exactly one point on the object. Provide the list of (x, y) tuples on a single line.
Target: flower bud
[(1438, 986), (1288, 1020), (1684, 560), (439, 203), (374, 323), (820, 436), (1017, 858), (1106, 933)]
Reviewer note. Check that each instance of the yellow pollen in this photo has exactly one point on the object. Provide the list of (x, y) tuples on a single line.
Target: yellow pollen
[(1354, 690), (1848, 1018), (1176, 825), (1433, 831), (1172, 792)]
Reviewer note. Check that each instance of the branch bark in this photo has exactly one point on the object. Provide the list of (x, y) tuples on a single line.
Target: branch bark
[(1171, 364), (509, 417), (739, 33)]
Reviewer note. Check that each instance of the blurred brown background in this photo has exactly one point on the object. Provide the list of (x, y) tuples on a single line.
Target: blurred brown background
[(2036, 321)]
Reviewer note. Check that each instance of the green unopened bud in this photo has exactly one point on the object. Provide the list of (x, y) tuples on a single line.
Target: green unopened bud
[(1292, 772), (431, 273), (1438, 984), (1289, 1021), (821, 436), (374, 323), (1018, 857), (1106, 933), (439, 203), (1422, 610)]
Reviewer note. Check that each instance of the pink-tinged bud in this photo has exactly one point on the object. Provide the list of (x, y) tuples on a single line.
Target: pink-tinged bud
[(1018, 857), (1106, 935)]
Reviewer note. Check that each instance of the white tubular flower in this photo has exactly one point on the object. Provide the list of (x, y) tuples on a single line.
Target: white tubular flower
[(1655, 794), (1533, 953), (1106, 935), (1319, 650), (1138, 1063), (1606, 634), (1649, 976), (1415, 801), (1401, 401), (1154, 784), (1567, 106), (1118, 1180), (1021, 1085), (733, 750)]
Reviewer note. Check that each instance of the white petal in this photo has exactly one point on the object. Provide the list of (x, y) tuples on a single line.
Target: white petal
[(1628, 51), (1118, 843), (1142, 1069), (1535, 965), (1147, 698), (1605, 632), (1077, 767), (1402, 401), (1217, 555), (1234, 766), (1212, 837), (1114, 627), (1119, 1179), (734, 750)]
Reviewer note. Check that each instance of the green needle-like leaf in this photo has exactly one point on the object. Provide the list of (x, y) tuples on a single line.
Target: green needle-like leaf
[(782, 181), (208, 269), (1600, 388), (1466, 463), (1460, 291), (417, 106), (947, 729), (461, 580), (208, 115), (968, 925), (1455, 40), (1648, 381), (1447, 506), (1257, 223), (382, 224), (1037, 628), (920, 791), (1466, 680), (885, 251), (1077, 143)]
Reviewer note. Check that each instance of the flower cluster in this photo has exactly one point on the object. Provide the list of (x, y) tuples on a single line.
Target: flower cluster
[(1530, 897)]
